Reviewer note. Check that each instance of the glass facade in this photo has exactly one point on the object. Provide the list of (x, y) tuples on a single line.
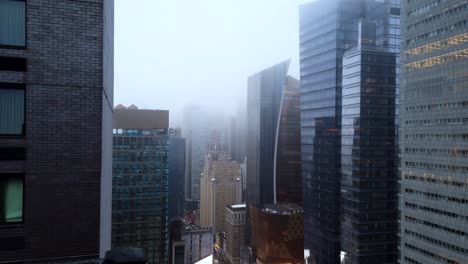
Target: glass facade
[(368, 157), (288, 147), (327, 29), (12, 23), (140, 192), (265, 92), (273, 150), (433, 132), (12, 106), (176, 160), (196, 132)]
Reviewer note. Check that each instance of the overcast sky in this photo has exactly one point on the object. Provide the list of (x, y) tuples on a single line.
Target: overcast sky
[(169, 53)]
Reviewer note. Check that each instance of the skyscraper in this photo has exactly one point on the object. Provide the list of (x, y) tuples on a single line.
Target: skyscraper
[(195, 131), (176, 159), (220, 186), (327, 30), (55, 130), (368, 152), (273, 154), (269, 104), (433, 134), (238, 134), (140, 182)]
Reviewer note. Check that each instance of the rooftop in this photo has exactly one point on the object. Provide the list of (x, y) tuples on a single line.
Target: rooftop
[(236, 206), (284, 209), (141, 119)]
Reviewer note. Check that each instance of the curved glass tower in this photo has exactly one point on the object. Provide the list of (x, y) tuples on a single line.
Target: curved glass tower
[(273, 149)]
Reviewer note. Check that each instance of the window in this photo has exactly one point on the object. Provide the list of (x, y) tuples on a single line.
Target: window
[(13, 23), (12, 109), (11, 198)]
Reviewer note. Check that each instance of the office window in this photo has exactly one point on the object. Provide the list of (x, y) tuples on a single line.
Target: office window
[(13, 23), (11, 198), (11, 110)]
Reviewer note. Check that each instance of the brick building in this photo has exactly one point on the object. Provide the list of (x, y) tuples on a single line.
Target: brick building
[(56, 92)]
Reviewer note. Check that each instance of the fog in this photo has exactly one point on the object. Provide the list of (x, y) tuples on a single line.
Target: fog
[(171, 53)]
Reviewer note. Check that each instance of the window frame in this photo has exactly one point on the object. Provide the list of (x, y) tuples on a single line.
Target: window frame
[(19, 223), (16, 86), (22, 47)]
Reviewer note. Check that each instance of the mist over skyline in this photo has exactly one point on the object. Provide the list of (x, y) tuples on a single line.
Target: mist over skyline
[(168, 55)]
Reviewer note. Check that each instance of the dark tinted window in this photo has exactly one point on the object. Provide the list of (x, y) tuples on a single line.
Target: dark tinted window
[(12, 99)]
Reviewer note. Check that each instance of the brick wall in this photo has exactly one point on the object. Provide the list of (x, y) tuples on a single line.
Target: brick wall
[(64, 85)]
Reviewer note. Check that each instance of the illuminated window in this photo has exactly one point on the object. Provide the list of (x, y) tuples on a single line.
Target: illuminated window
[(11, 198)]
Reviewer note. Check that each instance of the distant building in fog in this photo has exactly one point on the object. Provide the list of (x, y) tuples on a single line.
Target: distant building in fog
[(220, 186), (243, 167), (140, 182), (176, 159), (195, 130), (238, 135)]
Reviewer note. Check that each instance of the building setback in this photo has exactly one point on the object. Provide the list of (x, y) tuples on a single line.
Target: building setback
[(140, 182), (56, 93), (433, 134)]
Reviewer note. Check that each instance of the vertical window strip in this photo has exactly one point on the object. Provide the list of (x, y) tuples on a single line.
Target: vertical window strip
[(11, 111), (12, 23)]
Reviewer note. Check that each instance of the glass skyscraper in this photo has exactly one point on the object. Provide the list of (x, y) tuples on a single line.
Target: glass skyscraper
[(327, 30), (196, 132), (140, 182), (176, 158), (273, 149), (368, 152), (434, 132)]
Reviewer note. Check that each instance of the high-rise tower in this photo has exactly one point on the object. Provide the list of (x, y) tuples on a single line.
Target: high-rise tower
[(433, 134), (273, 159), (140, 188), (327, 30)]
